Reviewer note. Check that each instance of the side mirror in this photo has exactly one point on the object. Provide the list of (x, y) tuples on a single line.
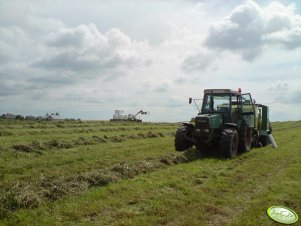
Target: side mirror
[(190, 100)]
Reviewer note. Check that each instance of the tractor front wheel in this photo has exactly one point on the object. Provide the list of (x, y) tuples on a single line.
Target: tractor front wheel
[(183, 134), (229, 143)]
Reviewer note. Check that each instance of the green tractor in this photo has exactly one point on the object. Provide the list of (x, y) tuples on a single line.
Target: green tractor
[(228, 120)]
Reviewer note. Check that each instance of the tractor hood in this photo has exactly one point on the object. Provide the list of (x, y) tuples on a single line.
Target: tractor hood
[(208, 121)]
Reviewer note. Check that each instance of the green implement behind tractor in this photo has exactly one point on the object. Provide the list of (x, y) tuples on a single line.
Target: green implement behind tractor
[(229, 120)]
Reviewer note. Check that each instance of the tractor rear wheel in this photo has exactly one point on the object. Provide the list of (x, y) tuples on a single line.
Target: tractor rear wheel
[(183, 134), (245, 138), (229, 143)]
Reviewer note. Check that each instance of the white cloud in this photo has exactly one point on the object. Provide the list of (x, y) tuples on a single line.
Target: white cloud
[(180, 43), (249, 30), (289, 38), (86, 48), (249, 27)]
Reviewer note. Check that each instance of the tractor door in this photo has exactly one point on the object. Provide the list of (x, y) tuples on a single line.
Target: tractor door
[(247, 109)]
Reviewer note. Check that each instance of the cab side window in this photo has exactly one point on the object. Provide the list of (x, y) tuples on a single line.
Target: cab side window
[(247, 105)]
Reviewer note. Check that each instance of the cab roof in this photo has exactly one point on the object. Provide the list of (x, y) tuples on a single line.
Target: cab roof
[(221, 91)]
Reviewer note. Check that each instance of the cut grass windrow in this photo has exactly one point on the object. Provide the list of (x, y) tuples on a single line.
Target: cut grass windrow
[(85, 130), (39, 146), (31, 195)]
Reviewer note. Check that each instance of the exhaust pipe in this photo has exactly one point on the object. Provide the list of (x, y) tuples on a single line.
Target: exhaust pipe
[(272, 140)]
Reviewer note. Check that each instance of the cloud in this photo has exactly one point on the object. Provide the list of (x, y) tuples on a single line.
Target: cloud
[(7, 88), (248, 30), (279, 86), (249, 27), (65, 57), (180, 43), (289, 38), (12, 34), (163, 86), (198, 61), (6, 52), (159, 86), (11, 39), (286, 92), (85, 48)]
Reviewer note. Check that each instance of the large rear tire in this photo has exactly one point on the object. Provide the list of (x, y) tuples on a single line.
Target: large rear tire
[(182, 141), (229, 143), (245, 138)]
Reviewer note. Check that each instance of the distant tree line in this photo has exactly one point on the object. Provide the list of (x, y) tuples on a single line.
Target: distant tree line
[(47, 117)]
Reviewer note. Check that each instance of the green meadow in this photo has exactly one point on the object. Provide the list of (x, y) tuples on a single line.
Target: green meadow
[(126, 173)]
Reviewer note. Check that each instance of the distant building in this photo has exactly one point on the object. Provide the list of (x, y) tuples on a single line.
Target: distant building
[(52, 116), (8, 116)]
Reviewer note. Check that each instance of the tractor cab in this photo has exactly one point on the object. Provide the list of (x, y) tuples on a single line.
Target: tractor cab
[(229, 104)]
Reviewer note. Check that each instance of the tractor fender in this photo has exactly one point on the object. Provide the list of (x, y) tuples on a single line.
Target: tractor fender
[(231, 125), (187, 124)]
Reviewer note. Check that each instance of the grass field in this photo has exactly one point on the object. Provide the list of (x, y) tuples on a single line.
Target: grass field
[(122, 173)]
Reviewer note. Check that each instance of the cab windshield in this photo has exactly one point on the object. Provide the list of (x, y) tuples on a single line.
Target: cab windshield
[(216, 103)]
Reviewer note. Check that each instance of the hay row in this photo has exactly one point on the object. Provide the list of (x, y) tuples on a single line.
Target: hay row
[(32, 195), (39, 146), (83, 130), (80, 124)]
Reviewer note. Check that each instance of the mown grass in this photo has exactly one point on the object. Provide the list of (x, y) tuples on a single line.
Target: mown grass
[(206, 191)]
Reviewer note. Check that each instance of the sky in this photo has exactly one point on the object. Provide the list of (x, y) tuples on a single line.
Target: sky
[(84, 59)]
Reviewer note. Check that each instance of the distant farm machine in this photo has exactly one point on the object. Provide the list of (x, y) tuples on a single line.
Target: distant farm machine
[(228, 120), (120, 116)]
